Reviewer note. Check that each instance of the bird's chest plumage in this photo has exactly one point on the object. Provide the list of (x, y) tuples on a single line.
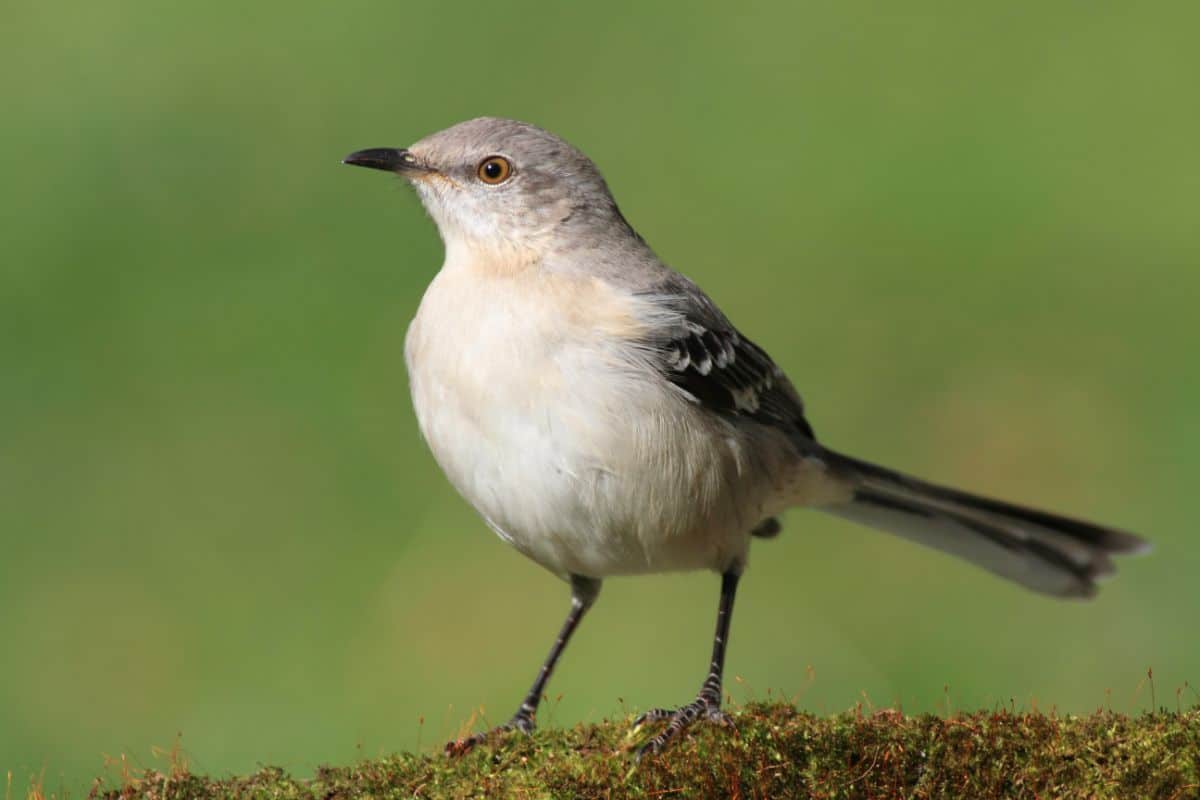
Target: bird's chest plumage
[(524, 392)]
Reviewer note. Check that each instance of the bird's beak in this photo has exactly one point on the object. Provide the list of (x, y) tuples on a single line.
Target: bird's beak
[(390, 159)]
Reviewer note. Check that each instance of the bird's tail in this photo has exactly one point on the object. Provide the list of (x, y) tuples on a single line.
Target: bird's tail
[(1045, 552)]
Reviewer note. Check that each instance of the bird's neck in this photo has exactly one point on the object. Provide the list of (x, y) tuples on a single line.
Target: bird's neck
[(493, 257)]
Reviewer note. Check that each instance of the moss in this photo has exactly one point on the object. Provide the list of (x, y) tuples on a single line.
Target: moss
[(776, 752)]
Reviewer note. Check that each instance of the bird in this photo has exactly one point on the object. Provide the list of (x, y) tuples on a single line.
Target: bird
[(605, 418)]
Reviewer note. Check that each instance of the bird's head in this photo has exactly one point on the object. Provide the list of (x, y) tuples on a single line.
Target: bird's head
[(495, 184)]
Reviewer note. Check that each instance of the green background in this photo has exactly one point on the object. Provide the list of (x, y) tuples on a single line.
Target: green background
[(970, 236)]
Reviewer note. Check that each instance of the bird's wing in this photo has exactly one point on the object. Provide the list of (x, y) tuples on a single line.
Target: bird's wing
[(713, 365)]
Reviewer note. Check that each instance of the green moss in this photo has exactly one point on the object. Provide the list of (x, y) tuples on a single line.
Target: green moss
[(776, 752)]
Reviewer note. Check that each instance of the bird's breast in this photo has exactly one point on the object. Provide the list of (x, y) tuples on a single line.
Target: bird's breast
[(536, 408)]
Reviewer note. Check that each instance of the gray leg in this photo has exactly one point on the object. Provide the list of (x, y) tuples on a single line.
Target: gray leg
[(707, 704), (583, 594)]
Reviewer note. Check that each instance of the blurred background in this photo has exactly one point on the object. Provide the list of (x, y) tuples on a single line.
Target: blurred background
[(970, 235)]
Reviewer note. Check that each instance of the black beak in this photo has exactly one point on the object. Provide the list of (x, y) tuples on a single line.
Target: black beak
[(390, 159)]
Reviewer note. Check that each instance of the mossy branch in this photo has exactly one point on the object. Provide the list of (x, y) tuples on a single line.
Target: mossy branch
[(776, 752)]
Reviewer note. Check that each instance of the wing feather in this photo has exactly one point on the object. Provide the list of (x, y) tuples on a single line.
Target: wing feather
[(718, 368)]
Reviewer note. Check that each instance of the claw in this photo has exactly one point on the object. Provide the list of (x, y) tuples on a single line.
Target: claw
[(653, 715), (719, 717), (460, 747), (682, 718)]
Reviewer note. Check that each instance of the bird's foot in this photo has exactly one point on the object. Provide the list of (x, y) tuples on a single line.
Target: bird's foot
[(706, 706), (520, 722)]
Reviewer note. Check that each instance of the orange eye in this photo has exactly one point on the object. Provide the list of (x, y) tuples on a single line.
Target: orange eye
[(494, 169)]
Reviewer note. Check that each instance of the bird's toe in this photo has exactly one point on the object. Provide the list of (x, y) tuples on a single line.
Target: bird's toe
[(460, 747), (523, 723), (679, 720)]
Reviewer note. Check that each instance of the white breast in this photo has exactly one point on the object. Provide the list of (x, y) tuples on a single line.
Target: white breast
[(534, 408)]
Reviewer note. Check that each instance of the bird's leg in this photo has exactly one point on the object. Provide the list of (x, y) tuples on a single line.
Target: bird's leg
[(583, 594), (707, 704)]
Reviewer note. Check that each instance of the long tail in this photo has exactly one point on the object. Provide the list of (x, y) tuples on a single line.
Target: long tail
[(1045, 552)]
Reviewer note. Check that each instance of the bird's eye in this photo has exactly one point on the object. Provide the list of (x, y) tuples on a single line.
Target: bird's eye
[(494, 169)]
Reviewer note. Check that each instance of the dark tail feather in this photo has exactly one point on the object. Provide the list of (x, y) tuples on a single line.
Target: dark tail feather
[(1045, 552)]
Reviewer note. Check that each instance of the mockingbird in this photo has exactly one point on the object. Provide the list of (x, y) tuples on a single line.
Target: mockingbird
[(605, 418)]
